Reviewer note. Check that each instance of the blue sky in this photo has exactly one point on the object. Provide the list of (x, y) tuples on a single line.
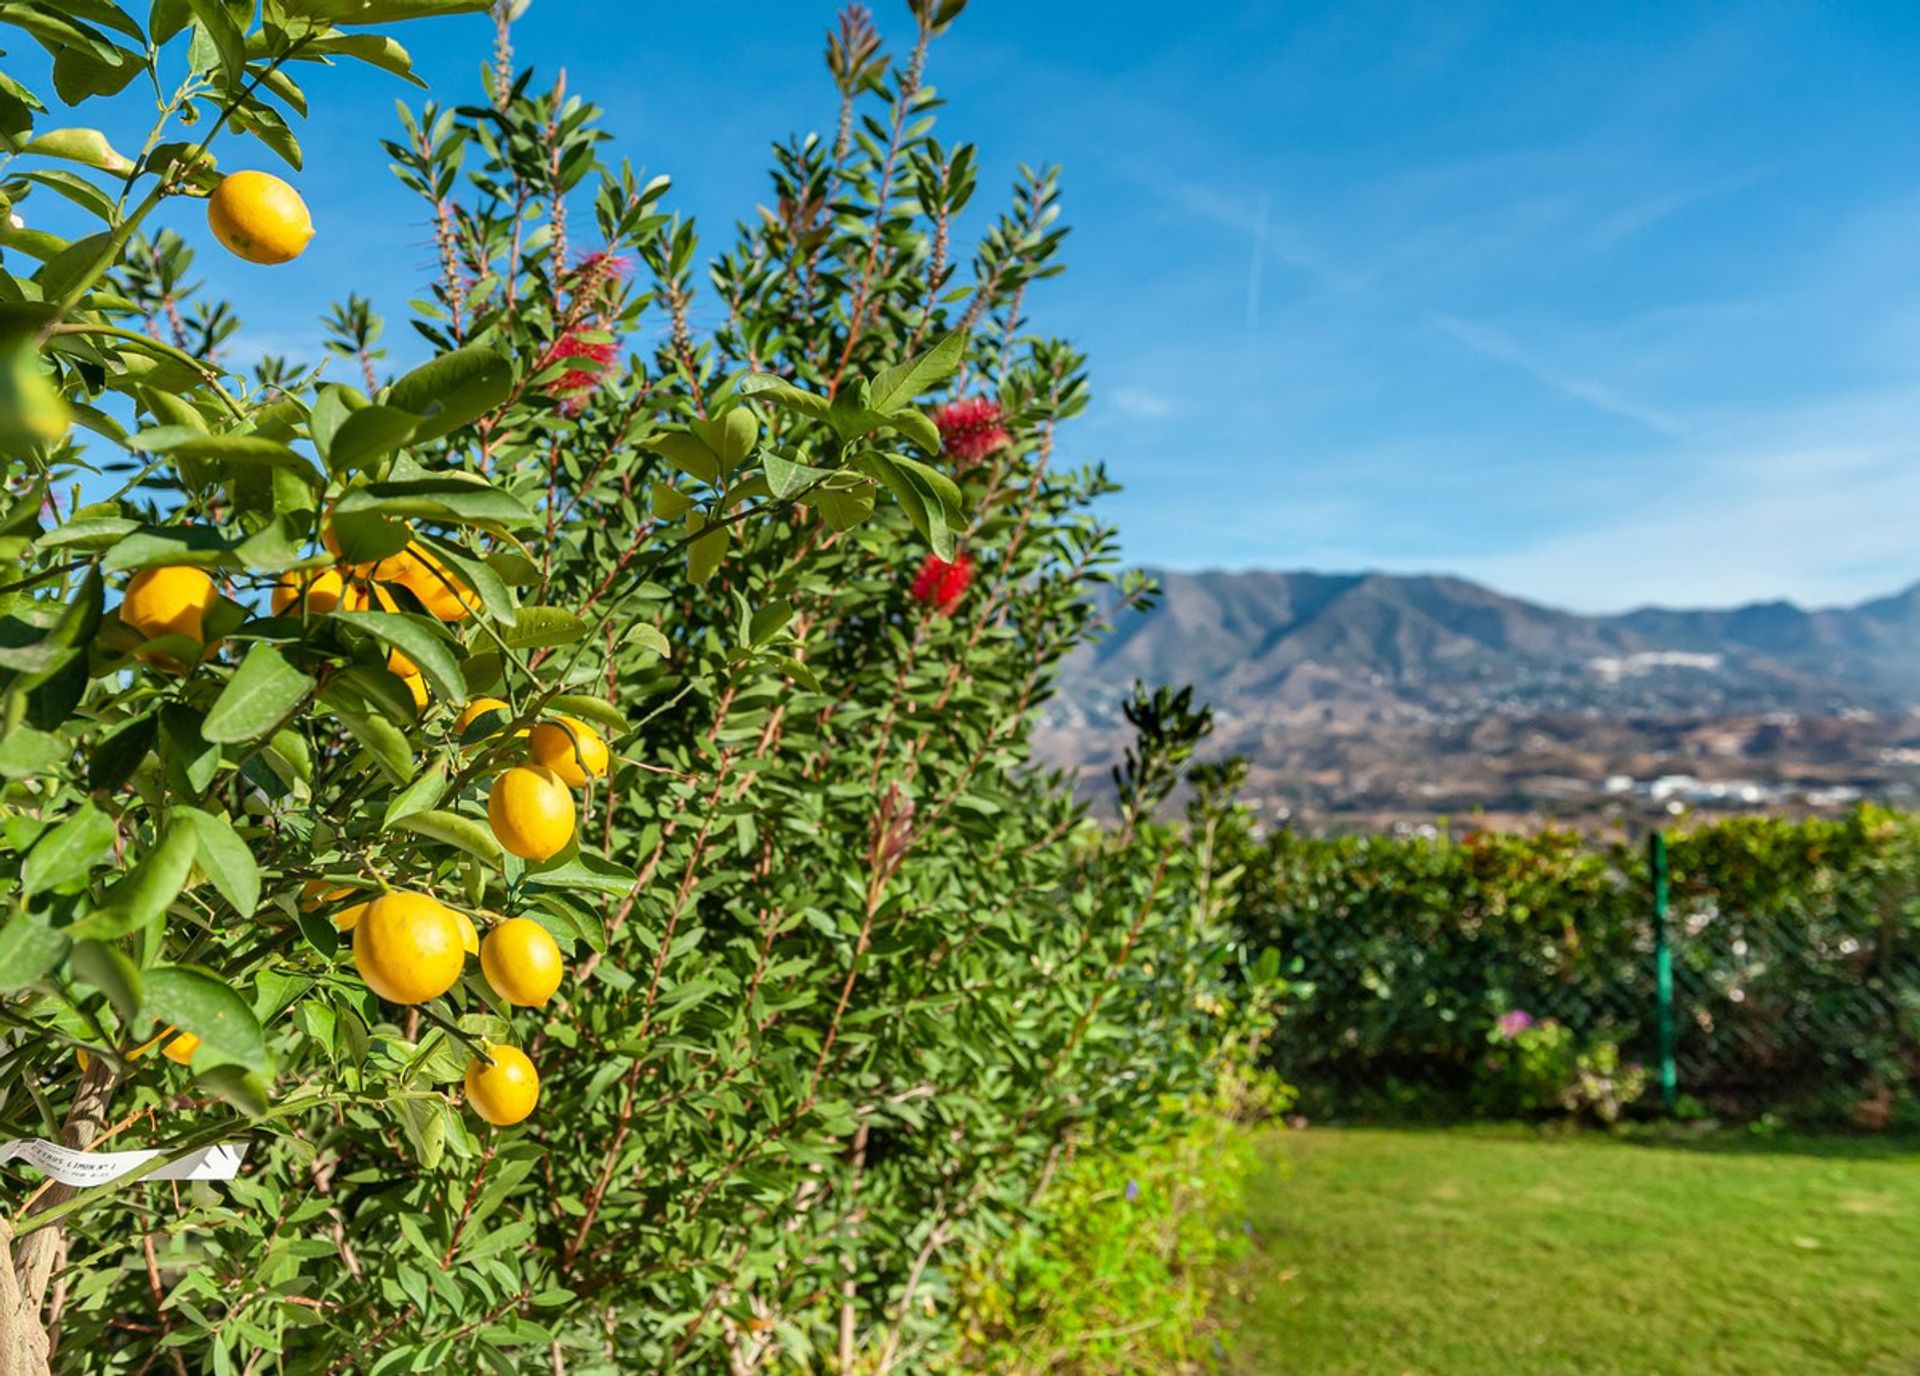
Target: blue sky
[(1601, 304)]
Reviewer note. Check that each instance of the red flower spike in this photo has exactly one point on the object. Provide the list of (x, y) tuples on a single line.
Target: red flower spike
[(940, 584), (970, 428)]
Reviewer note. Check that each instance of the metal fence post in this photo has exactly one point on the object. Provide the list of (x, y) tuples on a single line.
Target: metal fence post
[(1663, 968)]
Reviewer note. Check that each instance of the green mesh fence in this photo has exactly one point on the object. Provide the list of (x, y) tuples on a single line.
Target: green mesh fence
[(1795, 953)]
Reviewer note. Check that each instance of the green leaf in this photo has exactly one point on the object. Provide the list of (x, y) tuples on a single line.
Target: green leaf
[(686, 452), (423, 793), (384, 742), (420, 639), (28, 949), (543, 626), (669, 503), (226, 859), (108, 969), (899, 385), (705, 553), (213, 18), (469, 834), (584, 871), (731, 438), (918, 428), (785, 477), (116, 757), (229, 450), (452, 498), (198, 1001), (89, 532), (649, 637), (25, 752), (200, 546), (69, 852), (769, 621), (244, 1089), (89, 147), (843, 508), (147, 891), (369, 433), (784, 395), (453, 389), (263, 692), (591, 708)]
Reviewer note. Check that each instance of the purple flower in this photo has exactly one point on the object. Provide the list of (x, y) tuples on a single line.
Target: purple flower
[(1511, 1025), (1133, 1190)]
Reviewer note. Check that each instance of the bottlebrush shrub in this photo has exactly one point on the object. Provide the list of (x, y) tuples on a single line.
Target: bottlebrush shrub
[(842, 976)]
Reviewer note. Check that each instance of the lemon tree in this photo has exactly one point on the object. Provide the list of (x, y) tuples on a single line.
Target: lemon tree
[(566, 811)]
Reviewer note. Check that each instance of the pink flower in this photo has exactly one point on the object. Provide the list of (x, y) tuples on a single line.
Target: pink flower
[(971, 429), (1511, 1025)]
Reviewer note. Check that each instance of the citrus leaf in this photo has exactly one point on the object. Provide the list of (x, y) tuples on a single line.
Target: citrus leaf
[(417, 637), (225, 859), (69, 852), (198, 1001), (109, 970), (468, 833), (263, 692), (148, 889)]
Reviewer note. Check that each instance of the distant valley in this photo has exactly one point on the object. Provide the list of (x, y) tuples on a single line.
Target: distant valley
[(1371, 699)]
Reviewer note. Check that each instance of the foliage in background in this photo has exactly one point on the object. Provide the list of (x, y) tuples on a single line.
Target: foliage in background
[(847, 981), (1796, 948), (1539, 1065)]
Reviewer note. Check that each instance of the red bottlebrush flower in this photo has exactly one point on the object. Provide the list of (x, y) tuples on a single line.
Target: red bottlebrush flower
[(593, 267), (971, 429), (598, 356), (940, 584)]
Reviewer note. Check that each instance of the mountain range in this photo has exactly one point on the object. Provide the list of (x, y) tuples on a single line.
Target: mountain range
[(1384, 693)]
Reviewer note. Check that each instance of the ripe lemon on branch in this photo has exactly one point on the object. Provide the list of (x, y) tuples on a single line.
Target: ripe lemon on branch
[(260, 218), (317, 590), (408, 947), (571, 749), (506, 1091), (522, 962), (172, 600), (531, 812)]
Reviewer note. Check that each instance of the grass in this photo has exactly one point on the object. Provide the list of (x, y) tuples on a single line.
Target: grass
[(1477, 1250)]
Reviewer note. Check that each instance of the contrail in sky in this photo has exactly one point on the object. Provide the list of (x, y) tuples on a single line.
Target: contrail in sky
[(1259, 258)]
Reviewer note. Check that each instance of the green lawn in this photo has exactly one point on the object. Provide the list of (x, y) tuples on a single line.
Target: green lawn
[(1494, 1250)]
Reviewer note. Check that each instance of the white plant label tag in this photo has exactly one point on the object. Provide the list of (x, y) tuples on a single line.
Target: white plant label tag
[(218, 1162)]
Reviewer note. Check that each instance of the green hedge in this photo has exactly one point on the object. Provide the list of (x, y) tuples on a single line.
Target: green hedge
[(1796, 958)]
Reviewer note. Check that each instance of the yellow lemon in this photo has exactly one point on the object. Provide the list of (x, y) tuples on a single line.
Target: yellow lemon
[(180, 1050), (469, 934), (316, 893), (571, 749), (318, 590), (173, 600), (408, 947), (418, 687), (522, 962), (401, 664), (506, 1091), (477, 709), (259, 217), (531, 812), (427, 577)]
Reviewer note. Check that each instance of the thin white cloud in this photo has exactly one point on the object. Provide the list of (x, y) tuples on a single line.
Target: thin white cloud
[(1140, 404), (1485, 340), (1817, 505)]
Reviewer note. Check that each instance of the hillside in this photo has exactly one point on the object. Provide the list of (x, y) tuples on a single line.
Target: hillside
[(1392, 694)]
